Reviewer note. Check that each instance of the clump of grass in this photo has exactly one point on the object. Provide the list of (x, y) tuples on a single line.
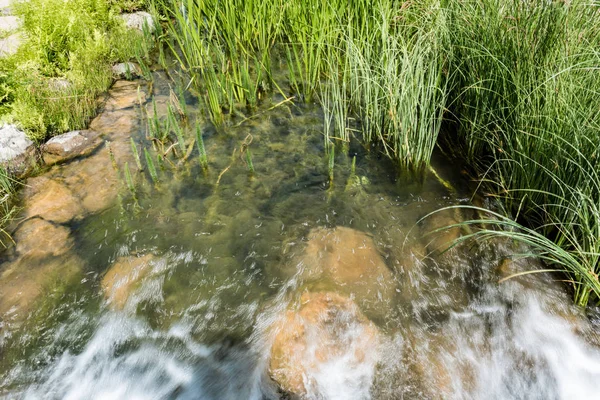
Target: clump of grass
[(129, 179), (525, 103), (151, 166), (201, 150), (136, 154), (331, 164), (249, 163)]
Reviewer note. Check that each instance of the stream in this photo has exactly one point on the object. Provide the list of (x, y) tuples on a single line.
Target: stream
[(272, 284)]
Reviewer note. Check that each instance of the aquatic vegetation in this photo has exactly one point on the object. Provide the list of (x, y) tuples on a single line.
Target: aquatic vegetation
[(249, 161), (392, 84), (200, 145), (151, 166), (331, 164), (129, 179), (136, 154)]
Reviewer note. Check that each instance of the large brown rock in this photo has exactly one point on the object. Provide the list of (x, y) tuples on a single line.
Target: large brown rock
[(325, 330), (24, 280), (51, 200), (125, 94), (70, 145), (123, 277), (38, 238), (347, 260), (94, 181), (438, 231), (42, 260)]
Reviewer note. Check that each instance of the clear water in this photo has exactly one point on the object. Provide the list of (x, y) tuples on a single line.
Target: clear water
[(224, 269)]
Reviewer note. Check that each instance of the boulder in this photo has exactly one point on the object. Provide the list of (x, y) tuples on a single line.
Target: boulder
[(17, 152), (70, 145), (125, 94), (26, 279), (38, 238), (326, 332), (42, 258), (434, 229), (123, 277), (138, 19), (348, 259), (9, 23), (51, 200), (126, 70), (10, 44)]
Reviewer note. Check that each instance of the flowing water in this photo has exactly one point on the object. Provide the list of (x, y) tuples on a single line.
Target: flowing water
[(212, 269)]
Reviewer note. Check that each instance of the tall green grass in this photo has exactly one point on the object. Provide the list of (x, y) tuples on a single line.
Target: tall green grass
[(379, 63), (525, 87)]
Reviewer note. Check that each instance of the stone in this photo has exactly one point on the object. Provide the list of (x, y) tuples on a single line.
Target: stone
[(51, 200), (59, 84), (126, 70), (444, 238), (17, 151), (70, 145), (10, 44), (123, 277), (125, 94), (25, 280), (9, 23), (326, 330), (350, 261), (138, 19), (94, 181), (38, 238), (42, 257)]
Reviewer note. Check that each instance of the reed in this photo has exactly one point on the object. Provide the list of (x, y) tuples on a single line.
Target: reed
[(136, 154), (151, 166), (201, 150), (129, 179)]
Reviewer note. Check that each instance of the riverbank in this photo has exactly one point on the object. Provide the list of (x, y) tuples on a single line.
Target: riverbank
[(56, 60)]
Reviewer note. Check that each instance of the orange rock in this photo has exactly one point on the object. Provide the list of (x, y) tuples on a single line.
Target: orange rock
[(123, 277), (326, 327), (349, 260), (51, 200)]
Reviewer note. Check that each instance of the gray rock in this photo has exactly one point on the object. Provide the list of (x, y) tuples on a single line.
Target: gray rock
[(70, 145), (60, 84), (17, 151), (9, 45), (126, 70), (9, 23), (137, 20)]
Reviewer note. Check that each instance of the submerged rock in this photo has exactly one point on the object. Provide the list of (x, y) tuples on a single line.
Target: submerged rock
[(70, 145), (38, 238), (123, 277), (42, 259), (51, 200), (437, 231), (325, 347), (138, 19), (17, 151), (350, 261), (124, 94)]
